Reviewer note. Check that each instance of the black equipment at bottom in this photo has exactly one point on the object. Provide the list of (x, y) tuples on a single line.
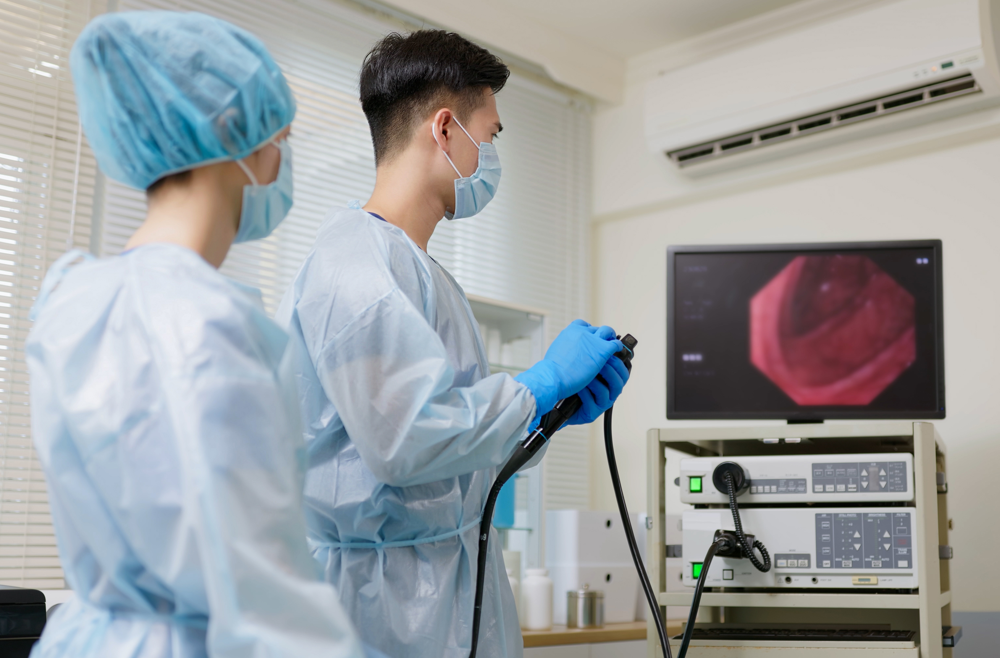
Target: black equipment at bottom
[(22, 618), (808, 633)]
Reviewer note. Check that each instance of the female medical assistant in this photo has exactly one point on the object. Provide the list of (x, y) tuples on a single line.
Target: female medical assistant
[(162, 408)]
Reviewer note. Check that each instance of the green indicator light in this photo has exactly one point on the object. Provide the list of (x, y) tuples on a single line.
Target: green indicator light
[(694, 484), (696, 570), (947, 65)]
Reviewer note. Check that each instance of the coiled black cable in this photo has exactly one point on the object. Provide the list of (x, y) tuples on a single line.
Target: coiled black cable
[(738, 525), (722, 543)]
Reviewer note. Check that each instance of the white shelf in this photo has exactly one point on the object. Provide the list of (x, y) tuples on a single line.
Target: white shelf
[(802, 600), (827, 430), (796, 600), (512, 320), (511, 370)]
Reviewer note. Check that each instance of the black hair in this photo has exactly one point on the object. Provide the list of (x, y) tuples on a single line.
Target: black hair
[(404, 79)]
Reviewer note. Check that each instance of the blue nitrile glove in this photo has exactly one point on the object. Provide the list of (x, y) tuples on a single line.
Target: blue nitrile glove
[(572, 361), (598, 397)]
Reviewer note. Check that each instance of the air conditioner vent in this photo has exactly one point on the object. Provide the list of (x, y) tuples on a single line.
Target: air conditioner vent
[(829, 120)]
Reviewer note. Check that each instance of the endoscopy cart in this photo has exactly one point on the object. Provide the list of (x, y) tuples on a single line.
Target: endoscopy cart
[(926, 610)]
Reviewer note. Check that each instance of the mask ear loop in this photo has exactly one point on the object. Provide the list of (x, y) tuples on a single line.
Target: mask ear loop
[(474, 142), (434, 135), (246, 169)]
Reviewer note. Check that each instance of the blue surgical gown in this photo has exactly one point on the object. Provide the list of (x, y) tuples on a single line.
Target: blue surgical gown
[(163, 417), (405, 428)]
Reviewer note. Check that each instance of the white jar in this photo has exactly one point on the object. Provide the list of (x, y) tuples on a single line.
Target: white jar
[(536, 600), (515, 587)]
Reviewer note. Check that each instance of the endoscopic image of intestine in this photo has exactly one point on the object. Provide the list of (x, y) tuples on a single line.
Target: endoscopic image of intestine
[(832, 330)]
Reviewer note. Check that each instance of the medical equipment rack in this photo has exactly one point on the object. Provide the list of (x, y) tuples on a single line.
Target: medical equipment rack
[(927, 611)]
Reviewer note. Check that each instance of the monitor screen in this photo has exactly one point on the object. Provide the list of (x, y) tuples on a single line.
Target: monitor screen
[(805, 332)]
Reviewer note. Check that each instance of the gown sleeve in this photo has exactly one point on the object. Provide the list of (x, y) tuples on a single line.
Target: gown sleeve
[(388, 375)]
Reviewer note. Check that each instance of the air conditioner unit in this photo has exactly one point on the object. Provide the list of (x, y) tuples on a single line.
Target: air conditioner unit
[(882, 67)]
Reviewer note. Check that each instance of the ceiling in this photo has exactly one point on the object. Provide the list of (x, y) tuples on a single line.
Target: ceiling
[(626, 28), (584, 44)]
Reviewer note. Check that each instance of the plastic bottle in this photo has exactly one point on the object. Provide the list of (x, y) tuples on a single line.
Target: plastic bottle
[(516, 588), (536, 598)]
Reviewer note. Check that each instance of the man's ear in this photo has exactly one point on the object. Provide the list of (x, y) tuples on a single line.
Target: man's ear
[(442, 127)]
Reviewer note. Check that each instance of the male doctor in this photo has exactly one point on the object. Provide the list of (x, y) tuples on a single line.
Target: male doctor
[(405, 423)]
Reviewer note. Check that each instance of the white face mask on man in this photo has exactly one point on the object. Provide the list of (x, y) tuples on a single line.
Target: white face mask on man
[(472, 193)]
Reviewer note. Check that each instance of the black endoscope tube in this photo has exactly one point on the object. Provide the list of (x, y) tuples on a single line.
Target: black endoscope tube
[(726, 543), (696, 599), (549, 425), (633, 545)]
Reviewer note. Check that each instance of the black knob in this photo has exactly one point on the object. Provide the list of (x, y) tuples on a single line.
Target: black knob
[(740, 480)]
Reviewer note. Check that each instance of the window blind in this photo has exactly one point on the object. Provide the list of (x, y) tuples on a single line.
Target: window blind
[(47, 181), (530, 245)]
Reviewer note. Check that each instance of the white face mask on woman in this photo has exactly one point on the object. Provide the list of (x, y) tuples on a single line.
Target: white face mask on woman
[(265, 206)]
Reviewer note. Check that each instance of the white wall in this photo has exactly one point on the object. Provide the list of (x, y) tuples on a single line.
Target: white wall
[(948, 191)]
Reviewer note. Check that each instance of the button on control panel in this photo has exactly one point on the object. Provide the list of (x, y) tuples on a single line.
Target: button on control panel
[(864, 540), (792, 561), (796, 485), (872, 477), (868, 478), (829, 547)]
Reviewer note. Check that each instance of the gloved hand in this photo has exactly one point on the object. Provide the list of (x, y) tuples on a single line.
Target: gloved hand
[(598, 396), (572, 361)]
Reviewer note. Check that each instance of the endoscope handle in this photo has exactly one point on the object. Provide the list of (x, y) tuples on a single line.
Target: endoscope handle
[(565, 408), (628, 343)]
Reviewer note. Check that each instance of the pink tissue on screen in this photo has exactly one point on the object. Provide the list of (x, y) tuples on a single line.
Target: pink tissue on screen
[(832, 330)]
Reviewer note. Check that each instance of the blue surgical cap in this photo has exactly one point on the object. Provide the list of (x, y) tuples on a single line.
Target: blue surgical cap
[(160, 92)]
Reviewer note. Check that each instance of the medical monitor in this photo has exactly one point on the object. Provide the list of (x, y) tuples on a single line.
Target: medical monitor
[(805, 332)]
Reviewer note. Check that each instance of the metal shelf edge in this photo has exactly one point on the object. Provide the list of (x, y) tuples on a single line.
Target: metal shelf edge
[(797, 600)]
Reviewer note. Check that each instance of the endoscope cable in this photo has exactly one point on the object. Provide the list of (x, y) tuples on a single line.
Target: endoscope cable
[(729, 544), (724, 542), (549, 425), (748, 546), (633, 546)]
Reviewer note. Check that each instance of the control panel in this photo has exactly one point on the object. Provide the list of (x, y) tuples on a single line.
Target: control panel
[(859, 547), (805, 479)]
